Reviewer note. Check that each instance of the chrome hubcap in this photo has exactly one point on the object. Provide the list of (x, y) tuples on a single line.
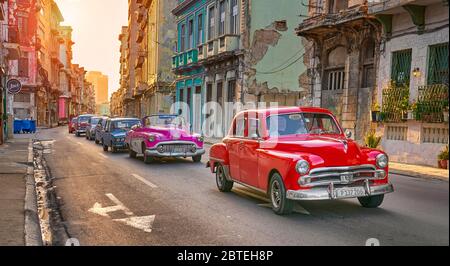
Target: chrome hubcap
[(276, 194)]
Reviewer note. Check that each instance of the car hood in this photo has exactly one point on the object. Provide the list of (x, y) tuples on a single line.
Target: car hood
[(170, 133), (331, 150)]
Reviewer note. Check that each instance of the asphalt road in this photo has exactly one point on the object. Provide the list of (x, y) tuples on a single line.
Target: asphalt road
[(189, 210)]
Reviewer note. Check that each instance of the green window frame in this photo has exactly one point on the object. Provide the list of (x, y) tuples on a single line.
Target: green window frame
[(401, 66), (438, 64)]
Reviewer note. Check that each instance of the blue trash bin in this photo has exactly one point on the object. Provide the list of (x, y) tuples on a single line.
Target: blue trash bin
[(26, 126), (18, 126), (33, 126)]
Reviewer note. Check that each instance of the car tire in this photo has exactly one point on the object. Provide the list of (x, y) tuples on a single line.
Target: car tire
[(132, 153), (223, 184), (105, 147), (197, 158), (77, 134), (371, 202), (97, 141), (277, 193)]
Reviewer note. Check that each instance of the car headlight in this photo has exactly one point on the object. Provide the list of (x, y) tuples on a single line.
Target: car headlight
[(193, 148), (382, 160), (302, 167), (200, 139), (151, 138)]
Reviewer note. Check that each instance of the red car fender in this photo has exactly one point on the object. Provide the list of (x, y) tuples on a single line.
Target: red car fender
[(218, 154)]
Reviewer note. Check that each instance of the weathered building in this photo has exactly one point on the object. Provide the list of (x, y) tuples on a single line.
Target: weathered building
[(22, 67), (4, 39), (414, 55), (100, 85), (122, 96), (131, 57), (342, 57), (236, 51), (65, 55)]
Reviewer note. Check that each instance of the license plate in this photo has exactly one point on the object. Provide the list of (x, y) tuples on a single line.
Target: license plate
[(353, 192)]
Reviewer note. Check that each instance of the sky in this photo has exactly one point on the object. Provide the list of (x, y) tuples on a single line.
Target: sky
[(96, 27)]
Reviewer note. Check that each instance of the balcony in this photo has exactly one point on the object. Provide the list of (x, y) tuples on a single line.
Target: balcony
[(228, 43), (186, 59), (324, 24), (140, 88), (220, 49)]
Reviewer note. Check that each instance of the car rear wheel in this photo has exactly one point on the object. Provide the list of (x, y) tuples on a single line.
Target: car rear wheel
[(280, 204), (97, 141), (197, 158), (105, 147), (372, 201), (223, 184)]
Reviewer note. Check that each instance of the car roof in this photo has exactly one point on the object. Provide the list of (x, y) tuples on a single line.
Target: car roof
[(287, 110), (85, 115), (124, 118)]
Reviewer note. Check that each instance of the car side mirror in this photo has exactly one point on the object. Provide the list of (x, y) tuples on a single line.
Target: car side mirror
[(348, 134)]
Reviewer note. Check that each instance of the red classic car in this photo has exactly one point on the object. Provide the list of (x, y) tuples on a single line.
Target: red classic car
[(71, 124), (295, 153)]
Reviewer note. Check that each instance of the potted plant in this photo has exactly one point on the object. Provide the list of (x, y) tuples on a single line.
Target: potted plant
[(443, 158), (404, 107), (371, 140), (412, 111), (375, 112)]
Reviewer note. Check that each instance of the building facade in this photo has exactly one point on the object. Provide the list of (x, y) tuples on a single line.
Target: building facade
[(99, 83), (236, 51), (342, 58), (413, 57)]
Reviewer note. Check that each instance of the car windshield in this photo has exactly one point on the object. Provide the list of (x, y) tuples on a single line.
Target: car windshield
[(82, 119), (301, 123), (164, 121), (124, 124), (94, 121)]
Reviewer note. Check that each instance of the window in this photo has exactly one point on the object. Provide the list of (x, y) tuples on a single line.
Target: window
[(438, 64), (209, 91), (220, 93), (335, 80), (23, 65), (183, 38), (368, 64), (222, 18), (23, 26), (234, 25), (231, 91), (191, 34), (181, 95), (200, 29), (239, 130), (211, 18), (308, 123), (253, 127), (401, 66)]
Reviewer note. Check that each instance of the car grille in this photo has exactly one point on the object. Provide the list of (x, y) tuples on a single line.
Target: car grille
[(175, 148), (340, 175)]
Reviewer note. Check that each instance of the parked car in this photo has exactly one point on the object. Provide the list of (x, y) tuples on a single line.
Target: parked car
[(71, 124), (296, 153), (92, 124), (164, 136), (114, 133), (99, 128), (81, 124)]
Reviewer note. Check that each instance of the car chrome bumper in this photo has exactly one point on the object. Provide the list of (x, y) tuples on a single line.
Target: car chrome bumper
[(155, 153), (328, 193), (81, 131)]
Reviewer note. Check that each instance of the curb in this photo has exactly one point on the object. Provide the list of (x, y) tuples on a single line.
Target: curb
[(33, 236), (417, 175)]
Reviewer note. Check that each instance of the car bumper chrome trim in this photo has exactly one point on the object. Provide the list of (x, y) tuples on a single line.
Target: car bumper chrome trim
[(155, 153), (327, 193)]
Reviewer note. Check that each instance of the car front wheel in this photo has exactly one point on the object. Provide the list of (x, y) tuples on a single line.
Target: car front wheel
[(105, 147), (280, 204), (223, 184), (147, 159), (132, 153), (372, 201), (197, 158)]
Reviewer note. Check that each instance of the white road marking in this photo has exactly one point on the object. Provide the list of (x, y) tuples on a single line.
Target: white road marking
[(144, 223), (103, 211), (104, 156), (145, 181)]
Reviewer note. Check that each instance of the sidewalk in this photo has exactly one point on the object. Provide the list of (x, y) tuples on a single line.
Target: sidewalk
[(416, 171), (18, 220)]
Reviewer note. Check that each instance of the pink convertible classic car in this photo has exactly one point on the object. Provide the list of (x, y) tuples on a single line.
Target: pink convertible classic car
[(164, 136)]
